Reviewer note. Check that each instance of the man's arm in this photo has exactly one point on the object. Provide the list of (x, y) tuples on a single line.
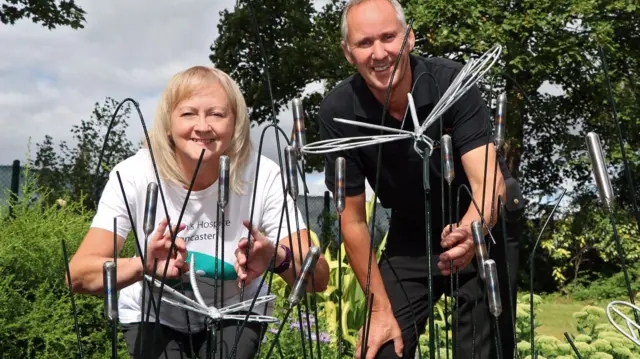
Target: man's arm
[(474, 164), (461, 238), (356, 242)]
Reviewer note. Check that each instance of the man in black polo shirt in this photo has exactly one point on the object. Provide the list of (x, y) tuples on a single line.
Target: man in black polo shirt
[(373, 32)]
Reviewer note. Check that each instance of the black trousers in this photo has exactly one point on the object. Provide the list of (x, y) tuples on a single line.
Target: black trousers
[(405, 279), (172, 344)]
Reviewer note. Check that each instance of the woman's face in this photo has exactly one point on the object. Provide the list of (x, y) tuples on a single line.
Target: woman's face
[(203, 121)]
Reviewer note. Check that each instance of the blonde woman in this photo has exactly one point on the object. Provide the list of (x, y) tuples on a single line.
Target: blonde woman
[(201, 108)]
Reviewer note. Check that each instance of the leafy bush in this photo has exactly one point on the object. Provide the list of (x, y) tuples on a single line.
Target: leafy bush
[(36, 318), (289, 341), (583, 241), (594, 339), (610, 287)]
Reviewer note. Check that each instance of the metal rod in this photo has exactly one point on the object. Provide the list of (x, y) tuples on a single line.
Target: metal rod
[(275, 339), (573, 346), (627, 168), (622, 262), (365, 343), (531, 271), (512, 308), (496, 331), (73, 302), (427, 217), (313, 280), (340, 286)]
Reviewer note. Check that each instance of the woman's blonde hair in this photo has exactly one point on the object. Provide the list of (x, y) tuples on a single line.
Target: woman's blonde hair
[(181, 86)]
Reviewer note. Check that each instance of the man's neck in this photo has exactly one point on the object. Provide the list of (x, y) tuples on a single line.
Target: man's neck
[(398, 101)]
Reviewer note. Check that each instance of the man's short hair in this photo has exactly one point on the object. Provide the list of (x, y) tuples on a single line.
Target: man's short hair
[(351, 3)]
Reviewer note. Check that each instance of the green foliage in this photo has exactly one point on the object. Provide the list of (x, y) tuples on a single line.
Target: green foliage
[(353, 298), (36, 318), (290, 346), (595, 338), (301, 47), (442, 331), (72, 170), (585, 239), (556, 42), (49, 13), (606, 287), (328, 231)]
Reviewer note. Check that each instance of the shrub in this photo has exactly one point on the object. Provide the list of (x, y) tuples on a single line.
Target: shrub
[(606, 287), (36, 319), (289, 344), (594, 339)]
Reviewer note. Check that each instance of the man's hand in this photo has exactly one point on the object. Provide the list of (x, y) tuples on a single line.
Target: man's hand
[(260, 252), (462, 251), (384, 328)]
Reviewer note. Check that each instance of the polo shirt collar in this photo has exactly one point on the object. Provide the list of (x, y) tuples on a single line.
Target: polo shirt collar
[(367, 106)]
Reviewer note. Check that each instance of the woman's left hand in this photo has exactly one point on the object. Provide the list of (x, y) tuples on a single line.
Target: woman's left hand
[(260, 252)]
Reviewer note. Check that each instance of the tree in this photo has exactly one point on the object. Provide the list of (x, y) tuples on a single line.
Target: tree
[(72, 170), (48, 13), (556, 42), (301, 47)]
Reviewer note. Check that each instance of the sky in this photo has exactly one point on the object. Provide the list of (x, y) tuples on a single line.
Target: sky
[(51, 79)]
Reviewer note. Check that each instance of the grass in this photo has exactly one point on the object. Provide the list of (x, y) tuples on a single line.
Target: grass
[(556, 315)]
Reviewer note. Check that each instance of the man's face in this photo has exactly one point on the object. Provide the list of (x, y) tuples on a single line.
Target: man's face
[(374, 40)]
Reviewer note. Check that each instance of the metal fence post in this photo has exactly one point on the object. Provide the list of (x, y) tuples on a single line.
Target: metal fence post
[(15, 186)]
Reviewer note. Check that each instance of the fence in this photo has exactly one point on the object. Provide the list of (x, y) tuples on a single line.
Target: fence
[(10, 179)]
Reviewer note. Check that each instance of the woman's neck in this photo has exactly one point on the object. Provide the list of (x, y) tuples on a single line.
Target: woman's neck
[(207, 173)]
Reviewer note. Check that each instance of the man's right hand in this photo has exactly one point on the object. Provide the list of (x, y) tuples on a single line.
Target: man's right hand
[(384, 328)]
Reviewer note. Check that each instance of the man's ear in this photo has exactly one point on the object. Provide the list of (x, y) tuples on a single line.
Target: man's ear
[(347, 53), (412, 40)]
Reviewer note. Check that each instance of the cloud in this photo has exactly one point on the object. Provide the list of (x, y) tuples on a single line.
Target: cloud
[(52, 79)]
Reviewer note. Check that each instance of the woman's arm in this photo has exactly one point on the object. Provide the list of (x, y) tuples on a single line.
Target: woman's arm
[(96, 248), (321, 272), (86, 264)]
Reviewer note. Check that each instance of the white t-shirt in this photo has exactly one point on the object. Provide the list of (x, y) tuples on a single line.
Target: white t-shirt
[(199, 217)]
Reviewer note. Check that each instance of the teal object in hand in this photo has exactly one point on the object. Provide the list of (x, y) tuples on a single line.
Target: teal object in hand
[(206, 267)]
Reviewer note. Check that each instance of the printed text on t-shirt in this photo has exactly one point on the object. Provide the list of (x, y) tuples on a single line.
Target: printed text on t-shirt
[(210, 224)]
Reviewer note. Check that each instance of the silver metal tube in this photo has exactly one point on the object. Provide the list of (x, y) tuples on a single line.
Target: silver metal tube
[(480, 245), (223, 181), (447, 159), (339, 195), (110, 291), (599, 168)]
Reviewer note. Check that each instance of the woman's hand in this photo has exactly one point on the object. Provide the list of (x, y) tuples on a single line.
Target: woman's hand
[(158, 248), (260, 252)]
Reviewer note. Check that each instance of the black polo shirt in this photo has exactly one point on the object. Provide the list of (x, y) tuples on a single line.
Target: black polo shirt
[(401, 180)]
